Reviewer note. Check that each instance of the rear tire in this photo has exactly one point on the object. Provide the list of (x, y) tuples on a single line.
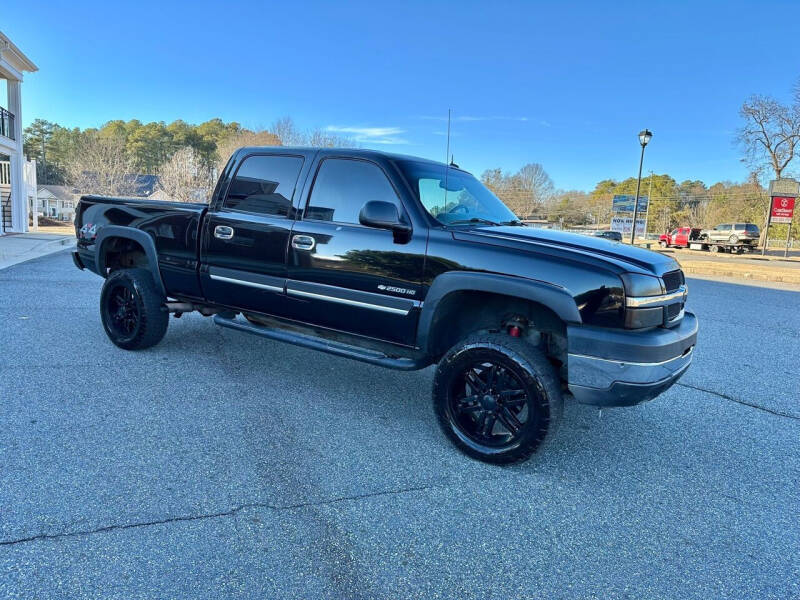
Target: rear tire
[(132, 309), (496, 397), (734, 239), (716, 249)]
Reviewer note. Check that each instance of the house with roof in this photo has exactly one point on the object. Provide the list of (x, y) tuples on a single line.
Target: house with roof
[(16, 189), (56, 202)]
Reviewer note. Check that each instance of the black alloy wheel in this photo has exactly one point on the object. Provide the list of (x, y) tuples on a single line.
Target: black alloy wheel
[(123, 310), (132, 309), (490, 404), (496, 397)]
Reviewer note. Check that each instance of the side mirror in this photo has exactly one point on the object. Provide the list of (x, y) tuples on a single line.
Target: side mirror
[(382, 215)]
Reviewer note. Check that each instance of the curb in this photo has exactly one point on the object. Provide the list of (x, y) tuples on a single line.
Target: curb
[(780, 277), (37, 251)]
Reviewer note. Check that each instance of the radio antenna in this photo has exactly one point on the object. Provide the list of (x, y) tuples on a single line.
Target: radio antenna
[(447, 159)]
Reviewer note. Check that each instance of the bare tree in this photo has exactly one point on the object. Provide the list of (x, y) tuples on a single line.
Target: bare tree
[(287, 133), (537, 188), (771, 132), (290, 135), (527, 192), (185, 178), (229, 145), (100, 165)]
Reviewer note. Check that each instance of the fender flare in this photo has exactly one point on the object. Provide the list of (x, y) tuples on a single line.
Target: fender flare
[(136, 235), (556, 298)]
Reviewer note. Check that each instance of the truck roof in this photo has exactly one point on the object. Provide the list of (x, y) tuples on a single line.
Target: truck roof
[(353, 152)]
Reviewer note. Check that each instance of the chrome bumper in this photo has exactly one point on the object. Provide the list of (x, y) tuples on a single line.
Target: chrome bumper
[(620, 374)]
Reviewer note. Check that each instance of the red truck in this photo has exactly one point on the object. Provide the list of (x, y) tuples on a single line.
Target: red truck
[(679, 238)]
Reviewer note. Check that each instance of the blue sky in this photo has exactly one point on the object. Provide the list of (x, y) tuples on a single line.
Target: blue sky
[(568, 85)]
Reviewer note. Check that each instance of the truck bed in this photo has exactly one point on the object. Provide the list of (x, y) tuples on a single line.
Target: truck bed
[(173, 226)]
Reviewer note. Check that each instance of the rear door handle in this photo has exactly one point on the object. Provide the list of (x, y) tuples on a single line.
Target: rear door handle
[(303, 242), (223, 232)]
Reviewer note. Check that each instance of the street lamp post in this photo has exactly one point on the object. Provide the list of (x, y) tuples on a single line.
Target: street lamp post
[(644, 137)]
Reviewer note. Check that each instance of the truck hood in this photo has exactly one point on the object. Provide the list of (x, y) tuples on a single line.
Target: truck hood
[(625, 257)]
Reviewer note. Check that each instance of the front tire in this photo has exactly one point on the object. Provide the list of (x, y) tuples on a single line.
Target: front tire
[(663, 244), (496, 397), (131, 308)]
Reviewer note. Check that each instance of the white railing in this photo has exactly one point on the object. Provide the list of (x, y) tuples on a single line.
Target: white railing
[(5, 172)]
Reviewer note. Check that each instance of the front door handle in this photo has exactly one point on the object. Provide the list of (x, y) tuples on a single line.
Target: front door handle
[(303, 242), (223, 232)]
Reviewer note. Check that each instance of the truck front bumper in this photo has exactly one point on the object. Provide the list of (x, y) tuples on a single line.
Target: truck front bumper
[(621, 368)]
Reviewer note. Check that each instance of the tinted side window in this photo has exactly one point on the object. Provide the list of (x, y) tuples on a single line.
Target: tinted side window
[(343, 186), (725, 227), (265, 185)]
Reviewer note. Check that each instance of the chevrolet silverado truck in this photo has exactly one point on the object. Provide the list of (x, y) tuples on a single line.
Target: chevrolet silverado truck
[(405, 263)]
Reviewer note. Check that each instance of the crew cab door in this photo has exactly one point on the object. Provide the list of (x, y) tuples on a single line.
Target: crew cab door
[(344, 275), (244, 240)]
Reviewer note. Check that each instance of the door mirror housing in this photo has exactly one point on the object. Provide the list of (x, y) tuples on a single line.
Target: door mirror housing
[(382, 215)]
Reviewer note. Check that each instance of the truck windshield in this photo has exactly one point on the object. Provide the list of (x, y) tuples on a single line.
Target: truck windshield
[(454, 197)]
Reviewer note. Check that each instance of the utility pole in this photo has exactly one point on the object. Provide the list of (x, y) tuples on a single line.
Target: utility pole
[(649, 202)]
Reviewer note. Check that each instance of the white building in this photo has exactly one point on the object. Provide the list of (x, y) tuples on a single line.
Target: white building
[(56, 202), (14, 195)]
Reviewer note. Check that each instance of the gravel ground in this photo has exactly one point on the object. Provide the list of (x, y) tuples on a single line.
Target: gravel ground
[(223, 465)]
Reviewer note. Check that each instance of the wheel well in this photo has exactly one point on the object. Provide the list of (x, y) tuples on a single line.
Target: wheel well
[(123, 253), (464, 312)]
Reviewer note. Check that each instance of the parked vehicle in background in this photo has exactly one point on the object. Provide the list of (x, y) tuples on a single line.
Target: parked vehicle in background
[(679, 238), (746, 234), (404, 263), (609, 235)]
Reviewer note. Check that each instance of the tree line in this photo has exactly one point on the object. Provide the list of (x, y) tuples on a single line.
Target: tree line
[(186, 157)]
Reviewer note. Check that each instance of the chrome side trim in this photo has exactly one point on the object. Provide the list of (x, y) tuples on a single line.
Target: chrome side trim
[(389, 309), (662, 300), (261, 286)]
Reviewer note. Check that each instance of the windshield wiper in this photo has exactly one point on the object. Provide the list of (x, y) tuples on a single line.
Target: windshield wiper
[(514, 222), (472, 220)]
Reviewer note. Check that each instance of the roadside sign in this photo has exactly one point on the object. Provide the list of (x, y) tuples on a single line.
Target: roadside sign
[(784, 187), (783, 193), (623, 203), (624, 224), (782, 209)]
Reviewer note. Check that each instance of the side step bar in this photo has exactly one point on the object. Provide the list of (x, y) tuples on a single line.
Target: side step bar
[(317, 343)]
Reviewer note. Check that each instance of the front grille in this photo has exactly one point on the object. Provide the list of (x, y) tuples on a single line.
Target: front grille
[(673, 310), (673, 280)]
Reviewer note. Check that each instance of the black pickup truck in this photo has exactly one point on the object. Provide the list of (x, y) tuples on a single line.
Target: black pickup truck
[(400, 262)]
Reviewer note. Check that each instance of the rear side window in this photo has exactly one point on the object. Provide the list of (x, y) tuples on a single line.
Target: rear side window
[(265, 185), (343, 186)]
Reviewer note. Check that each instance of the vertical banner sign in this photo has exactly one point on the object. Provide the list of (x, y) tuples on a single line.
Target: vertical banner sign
[(782, 209), (622, 218), (783, 194)]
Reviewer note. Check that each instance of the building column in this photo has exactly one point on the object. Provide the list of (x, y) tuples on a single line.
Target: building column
[(19, 189)]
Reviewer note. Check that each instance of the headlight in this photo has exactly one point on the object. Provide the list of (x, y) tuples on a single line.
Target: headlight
[(648, 305)]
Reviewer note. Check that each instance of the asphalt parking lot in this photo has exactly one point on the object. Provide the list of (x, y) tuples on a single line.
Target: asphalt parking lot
[(221, 465)]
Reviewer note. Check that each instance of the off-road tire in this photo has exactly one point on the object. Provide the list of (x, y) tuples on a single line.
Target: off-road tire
[(516, 357), (145, 300)]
